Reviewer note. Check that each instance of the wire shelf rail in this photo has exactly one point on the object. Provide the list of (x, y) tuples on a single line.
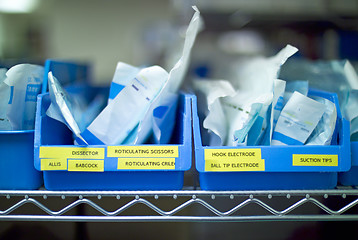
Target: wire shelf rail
[(186, 206)]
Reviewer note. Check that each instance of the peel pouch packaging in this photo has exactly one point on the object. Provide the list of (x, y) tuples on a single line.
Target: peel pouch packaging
[(255, 81), (64, 107), (123, 113), (4, 101), (243, 117), (298, 119), (19, 92), (322, 134), (216, 121), (159, 117)]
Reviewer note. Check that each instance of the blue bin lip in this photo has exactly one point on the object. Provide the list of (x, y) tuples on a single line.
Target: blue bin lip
[(17, 131), (342, 149)]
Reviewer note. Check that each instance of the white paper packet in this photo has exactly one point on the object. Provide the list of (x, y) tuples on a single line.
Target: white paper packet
[(323, 132), (163, 123), (123, 113), (4, 101), (24, 81), (254, 80), (298, 119), (216, 121), (63, 107)]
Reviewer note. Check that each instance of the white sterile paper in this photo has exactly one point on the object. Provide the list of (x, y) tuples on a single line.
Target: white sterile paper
[(322, 134), (216, 121), (124, 112), (4, 101), (62, 107), (122, 76), (24, 81), (254, 79), (166, 101), (274, 111), (298, 118)]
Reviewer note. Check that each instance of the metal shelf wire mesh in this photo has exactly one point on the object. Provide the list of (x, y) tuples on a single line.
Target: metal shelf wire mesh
[(179, 206)]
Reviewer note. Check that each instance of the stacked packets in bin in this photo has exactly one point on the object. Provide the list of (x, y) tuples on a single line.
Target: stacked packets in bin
[(256, 108), (141, 101)]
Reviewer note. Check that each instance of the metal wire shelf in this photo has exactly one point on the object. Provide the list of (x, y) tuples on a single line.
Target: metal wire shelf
[(185, 206)]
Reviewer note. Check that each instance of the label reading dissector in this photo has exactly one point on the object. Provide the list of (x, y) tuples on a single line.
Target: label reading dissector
[(72, 152), (315, 160), (229, 160)]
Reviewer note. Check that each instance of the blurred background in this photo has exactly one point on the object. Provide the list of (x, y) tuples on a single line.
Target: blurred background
[(143, 33), (151, 32)]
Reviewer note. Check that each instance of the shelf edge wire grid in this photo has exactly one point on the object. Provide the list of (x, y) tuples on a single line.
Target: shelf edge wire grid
[(192, 199)]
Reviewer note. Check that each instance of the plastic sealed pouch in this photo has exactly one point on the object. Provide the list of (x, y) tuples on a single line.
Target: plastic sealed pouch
[(323, 132), (124, 112), (64, 108), (25, 82), (298, 119), (123, 75), (4, 101)]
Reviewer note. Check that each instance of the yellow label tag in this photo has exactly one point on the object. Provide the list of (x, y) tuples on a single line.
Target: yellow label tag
[(234, 165), (143, 151), (146, 163), (72, 152), (314, 160), (232, 154), (86, 165), (53, 164)]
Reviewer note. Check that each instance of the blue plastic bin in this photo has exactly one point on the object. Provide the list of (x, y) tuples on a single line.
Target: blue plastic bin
[(100, 167), (273, 167), (54, 146), (17, 171), (350, 178)]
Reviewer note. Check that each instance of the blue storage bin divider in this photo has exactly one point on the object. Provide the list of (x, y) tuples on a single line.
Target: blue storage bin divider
[(273, 167), (100, 167), (17, 171), (66, 72), (350, 178)]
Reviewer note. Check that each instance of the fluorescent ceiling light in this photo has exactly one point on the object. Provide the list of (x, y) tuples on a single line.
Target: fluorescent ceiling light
[(18, 6)]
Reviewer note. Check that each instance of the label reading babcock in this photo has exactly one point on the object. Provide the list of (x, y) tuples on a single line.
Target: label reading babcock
[(59, 158), (144, 157), (230, 159)]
